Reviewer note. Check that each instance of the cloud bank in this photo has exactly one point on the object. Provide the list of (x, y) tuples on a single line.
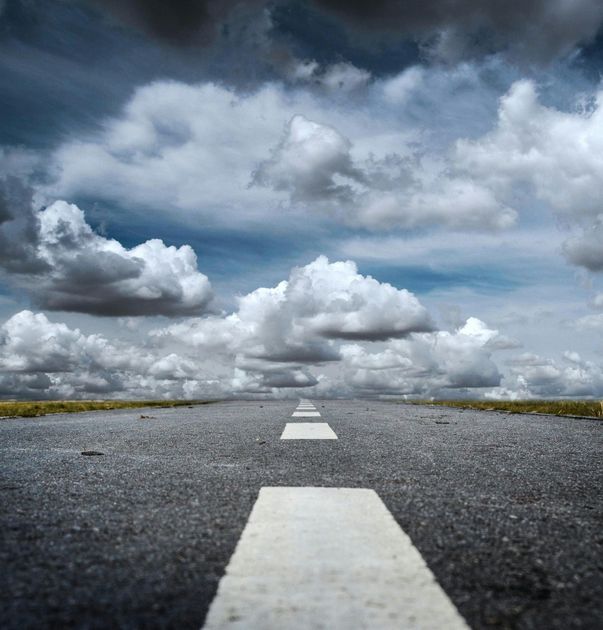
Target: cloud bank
[(326, 329)]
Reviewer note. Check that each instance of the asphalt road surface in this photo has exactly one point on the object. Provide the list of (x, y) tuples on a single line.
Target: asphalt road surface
[(506, 510)]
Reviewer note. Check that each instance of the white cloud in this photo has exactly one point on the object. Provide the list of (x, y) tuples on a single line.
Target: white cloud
[(344, 77), (398, 89), (31, 343), (543, 377), (427, 364), (590, 323), (298, 321), (557, 153), (181, 147), (284, 339), (313, 163), (306, 162), (195, 149), (598, 301), (67, 266)]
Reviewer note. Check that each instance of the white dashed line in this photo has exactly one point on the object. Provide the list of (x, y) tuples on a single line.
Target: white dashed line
[(305, 414), (327, 558), (308, 431)]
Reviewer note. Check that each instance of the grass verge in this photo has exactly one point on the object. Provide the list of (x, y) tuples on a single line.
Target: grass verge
[(591, 408), (31, 409)]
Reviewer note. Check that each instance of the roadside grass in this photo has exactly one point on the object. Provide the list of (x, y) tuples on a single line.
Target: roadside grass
[(591, 408), (32, 409)]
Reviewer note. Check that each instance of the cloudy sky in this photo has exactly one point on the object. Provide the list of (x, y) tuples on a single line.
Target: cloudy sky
[(289, 198)]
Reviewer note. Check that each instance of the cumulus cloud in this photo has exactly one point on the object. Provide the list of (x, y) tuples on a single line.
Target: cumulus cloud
[(30, 343), (586, 250), (181, 147), (44, 359), (70, 267), (543, 377), (269, 343), (427, 364), (195, 149), (555, 152), (285, 339), (306, 162), (277, 333), (313, 162)]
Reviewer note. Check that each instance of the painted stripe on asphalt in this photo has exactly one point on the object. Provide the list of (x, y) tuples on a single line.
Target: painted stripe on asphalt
[(330, 558), (305, 414), (308, 431)]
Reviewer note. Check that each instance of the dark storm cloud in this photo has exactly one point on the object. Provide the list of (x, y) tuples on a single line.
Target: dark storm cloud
[(534, 30), (178, 22)]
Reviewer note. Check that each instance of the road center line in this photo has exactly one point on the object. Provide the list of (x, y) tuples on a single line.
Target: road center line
[(327, 558), (305, 414), (308, 431)]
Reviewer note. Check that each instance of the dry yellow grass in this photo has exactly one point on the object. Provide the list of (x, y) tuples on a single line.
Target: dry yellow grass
[(591, 408), (30, 409)]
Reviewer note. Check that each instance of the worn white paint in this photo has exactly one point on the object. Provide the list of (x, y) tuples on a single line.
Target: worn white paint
[(327, 558), (305, 414)]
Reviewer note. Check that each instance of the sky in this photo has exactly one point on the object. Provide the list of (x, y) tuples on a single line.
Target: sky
[(203, 199)]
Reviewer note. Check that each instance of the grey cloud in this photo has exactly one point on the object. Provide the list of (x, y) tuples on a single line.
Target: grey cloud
[(429, 364), (545, 377), (19, 229), (67, 266), (178, 22), (531, 30), (306, 162), (313, 163), (278, 333), (586, 250)]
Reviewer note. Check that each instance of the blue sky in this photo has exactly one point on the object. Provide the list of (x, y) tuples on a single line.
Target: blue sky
[(181, 190)]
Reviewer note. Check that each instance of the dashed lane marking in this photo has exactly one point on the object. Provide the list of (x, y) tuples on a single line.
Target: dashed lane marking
[(305, 414), (308, 431), (327, 558)]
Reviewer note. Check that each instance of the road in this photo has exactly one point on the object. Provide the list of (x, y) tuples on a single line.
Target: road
[(506, 510)]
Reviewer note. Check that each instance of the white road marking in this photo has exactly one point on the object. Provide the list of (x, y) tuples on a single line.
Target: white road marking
[(308, 431), (305, 414), (327, 558)]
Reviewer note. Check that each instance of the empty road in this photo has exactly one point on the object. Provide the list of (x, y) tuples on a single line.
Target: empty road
[(501, 516)]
